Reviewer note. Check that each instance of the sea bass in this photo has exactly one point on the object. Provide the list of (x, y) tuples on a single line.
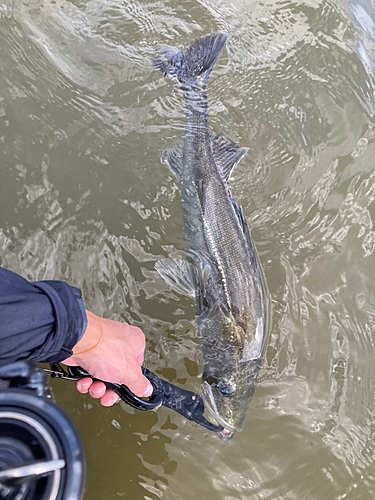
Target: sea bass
[(222, 271)]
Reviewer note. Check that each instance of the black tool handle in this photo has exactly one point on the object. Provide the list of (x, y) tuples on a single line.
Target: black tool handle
[(186, 403), (155, 400)]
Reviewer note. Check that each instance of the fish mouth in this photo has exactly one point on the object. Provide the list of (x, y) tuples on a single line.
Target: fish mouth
[(210, 406), (225, 435)]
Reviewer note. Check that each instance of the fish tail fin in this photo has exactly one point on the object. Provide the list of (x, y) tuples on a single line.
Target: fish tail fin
[(194, 64)]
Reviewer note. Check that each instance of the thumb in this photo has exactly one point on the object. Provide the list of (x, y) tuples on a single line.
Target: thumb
[(149, 388), (141, 386), (70, 361)]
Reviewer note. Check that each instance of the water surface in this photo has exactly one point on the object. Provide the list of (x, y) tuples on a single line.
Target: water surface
[(84, 118)]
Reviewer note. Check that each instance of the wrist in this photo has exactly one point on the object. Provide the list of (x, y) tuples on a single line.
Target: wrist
[(91, 337)]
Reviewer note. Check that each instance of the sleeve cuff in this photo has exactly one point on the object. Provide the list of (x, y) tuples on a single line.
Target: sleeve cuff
[(82, 308), (78, 294)]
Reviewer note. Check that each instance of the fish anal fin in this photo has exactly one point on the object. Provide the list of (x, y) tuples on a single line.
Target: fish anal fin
[(227, 154)]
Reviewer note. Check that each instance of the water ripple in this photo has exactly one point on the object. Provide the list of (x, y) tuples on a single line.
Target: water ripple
[(84, 118)]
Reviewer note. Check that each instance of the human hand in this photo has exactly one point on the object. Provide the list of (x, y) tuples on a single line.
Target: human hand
[(117, 358)]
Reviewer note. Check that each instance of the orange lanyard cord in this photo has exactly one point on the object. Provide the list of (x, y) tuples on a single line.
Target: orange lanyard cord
[(98, 342)]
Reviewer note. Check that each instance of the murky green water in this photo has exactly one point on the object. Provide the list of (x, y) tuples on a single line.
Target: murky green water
[(84, 198)]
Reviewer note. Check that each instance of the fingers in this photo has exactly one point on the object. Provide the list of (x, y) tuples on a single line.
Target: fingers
[(137, 383), (97, 390), (141, 387), (109, 398), (83, 385)]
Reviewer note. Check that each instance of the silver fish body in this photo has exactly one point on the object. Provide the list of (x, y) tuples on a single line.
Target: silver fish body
[(222, 271)]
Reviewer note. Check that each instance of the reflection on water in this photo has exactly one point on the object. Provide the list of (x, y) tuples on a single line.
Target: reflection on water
[(83, 197)]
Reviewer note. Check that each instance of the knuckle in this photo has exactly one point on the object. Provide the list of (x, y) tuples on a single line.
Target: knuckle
[(137, 331)]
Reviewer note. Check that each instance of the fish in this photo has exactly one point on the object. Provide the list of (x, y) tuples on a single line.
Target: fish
[(221, 270)]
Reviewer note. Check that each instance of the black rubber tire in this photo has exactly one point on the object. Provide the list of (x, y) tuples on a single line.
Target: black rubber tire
[(34, 428)]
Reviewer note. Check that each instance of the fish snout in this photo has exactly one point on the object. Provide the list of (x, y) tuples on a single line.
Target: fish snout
[(214, 414)]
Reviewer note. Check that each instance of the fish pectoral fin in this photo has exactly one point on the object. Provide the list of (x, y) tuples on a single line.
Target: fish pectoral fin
[(173, 157), (181, 276), (227, 154), (204, 272)]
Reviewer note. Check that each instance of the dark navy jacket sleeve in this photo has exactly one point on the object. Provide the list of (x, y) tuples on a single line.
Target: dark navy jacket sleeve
[(39, 321)]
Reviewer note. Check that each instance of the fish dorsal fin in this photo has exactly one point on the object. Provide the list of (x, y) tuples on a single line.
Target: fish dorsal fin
[(173, 157), (227, 154), (182, 276)]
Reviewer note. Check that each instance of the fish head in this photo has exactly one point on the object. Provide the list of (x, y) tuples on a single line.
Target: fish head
[(229, 374), (226, 396)]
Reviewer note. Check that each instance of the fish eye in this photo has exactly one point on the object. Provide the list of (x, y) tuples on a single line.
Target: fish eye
[(210, 379), (226, 389)]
